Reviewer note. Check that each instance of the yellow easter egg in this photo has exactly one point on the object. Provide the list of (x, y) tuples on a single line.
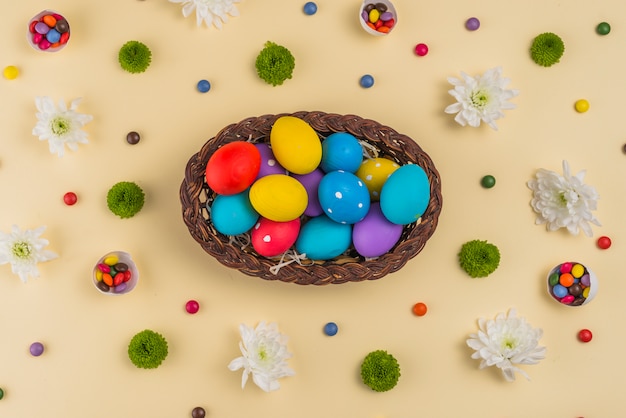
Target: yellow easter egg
[(278, 197), (374, 173), (296, 145)]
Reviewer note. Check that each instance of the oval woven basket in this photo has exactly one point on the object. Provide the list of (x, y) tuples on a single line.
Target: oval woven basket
[(350, 267)]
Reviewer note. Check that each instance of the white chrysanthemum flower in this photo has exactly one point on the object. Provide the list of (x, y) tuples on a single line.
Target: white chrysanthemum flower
[(213, 12), (480, 98), (60, 126), (564, 201), (265, 353), (505, 341), (24, 249)]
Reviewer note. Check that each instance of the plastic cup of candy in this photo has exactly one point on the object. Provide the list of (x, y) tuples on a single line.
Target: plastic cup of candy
[(572, 284), (48, 31), (378, 18), (115, 273)]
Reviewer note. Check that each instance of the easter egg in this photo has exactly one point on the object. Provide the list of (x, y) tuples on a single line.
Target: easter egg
[(341, 151), (295, 144), (278, 197), (321, 238), (270, 238), (375, 235), (233, 167), (344, 197), (374, 173), (311, 182), (269, 165), (405, 195), (233, 214)]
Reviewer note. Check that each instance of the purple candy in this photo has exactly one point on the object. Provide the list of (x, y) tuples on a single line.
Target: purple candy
[(120, 288), (472, 23), (365, 16), (42, 28), (386, 16), (36, 349), (585, 280)]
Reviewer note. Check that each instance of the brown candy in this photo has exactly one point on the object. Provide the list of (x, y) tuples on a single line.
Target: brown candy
[(198, 412), (381, 7), (103, 286), (133, 138), (121, 267)]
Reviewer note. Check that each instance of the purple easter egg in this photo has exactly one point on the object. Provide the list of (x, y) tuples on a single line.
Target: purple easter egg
[(311, 182), (375, 235), (269, 165)]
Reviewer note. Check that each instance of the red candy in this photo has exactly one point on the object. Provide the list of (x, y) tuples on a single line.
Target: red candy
[(420, 309), (70, 198), (192, 306), (604, 242), (585, 335)]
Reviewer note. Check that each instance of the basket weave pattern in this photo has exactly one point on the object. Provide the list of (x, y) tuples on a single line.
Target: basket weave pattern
[(194, 194)]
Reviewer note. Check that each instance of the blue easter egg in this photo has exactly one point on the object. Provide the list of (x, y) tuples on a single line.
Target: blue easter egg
[(405, 195), (344, 197), (341, 151), (233, 214), (321, 238)]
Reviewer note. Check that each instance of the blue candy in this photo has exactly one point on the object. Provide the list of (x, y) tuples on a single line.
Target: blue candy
[(204, 86), (310, 8)]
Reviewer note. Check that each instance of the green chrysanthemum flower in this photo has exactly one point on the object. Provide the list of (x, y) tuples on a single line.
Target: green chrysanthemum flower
[(547, 49), (479, 258), (135, 57), (147, 349), (380, 371), (275, 64), (125, 199)]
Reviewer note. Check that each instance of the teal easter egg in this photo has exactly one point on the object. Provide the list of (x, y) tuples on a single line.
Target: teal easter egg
[(321, 238), (405, 195), (233, 214)]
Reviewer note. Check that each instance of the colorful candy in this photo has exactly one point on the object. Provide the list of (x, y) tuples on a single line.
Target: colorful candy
[(603, 28), (420, 309), (49, 31), (36, 349), (330, 329), (366, 81), (310, 8), (421, 49), (378, 17), (581, 105), (203, 86), (572, 284), (133, 138), (585, 335), (488, 181), (192, 306), (472, 24), (113, 275), (10, 72), (70, 198), (604, 242)]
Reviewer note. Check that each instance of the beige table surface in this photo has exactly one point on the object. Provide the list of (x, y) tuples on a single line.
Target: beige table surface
[(85, 371)]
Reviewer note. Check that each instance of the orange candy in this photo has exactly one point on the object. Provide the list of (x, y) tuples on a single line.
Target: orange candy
[(106, 278), (49, 20), (566, 279), (420, 309)]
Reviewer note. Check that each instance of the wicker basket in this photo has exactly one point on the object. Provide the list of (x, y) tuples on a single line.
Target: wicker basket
[(194, 194)]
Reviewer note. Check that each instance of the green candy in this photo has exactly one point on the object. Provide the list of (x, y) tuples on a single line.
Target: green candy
[(603, 28), (488, 181), (553, 279)]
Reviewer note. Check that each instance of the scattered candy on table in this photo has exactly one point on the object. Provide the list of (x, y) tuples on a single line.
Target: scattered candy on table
[(70, 198), (192, 306), (604, 242), (36, 349), (421, 49), (331, 329), (198, 412), (203, 86), (1, 393), (603, 28), (310, 8), (420, 309), (581, 105), (488, 181), (10, 72), (49, 31), (472, 24), (585, 335), (366, 81), (378, 17), (133, 138), (572, 284)]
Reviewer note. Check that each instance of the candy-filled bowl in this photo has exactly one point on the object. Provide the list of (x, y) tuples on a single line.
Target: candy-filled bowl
[(378, 17), (48, 31), (572, 283), (115, 273), (239, 252)]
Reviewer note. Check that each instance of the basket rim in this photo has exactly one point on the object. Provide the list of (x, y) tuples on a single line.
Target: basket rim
[(334, 271)]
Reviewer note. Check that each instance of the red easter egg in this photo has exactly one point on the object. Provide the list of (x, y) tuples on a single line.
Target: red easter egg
[(270, 238), (233, 167)]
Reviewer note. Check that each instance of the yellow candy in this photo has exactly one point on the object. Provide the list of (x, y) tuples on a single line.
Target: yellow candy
[(111, 260), (278, 197), (586, 292), (296, 145), (578, 270), (374, 173), (11, 72), (581, 105), (374, 15), (98, 275)]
